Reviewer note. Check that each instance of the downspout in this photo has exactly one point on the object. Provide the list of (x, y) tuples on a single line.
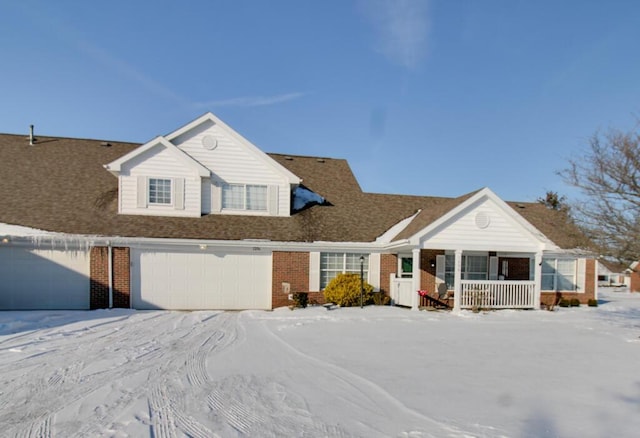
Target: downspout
[(110, 273)]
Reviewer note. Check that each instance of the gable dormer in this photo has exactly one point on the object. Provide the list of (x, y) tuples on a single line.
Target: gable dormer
[(205, 167)]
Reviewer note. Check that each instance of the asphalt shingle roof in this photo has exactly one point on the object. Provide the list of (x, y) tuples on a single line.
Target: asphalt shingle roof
[(59, 184)]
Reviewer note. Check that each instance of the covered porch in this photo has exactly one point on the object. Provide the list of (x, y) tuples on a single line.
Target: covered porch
[(467, 280)]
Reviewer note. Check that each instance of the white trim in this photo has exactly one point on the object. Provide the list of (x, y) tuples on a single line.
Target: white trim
[(415, 298), (286, 173), (115, 167), (374, 271), (421, 238), (388, 235), (581, 273), (314, 271)]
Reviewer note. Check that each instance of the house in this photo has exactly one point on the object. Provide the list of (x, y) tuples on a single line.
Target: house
[(611, 273), (203, 219), (634, 277)]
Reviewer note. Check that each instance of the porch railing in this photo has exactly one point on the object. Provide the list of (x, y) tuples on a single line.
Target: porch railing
[(488, 294)]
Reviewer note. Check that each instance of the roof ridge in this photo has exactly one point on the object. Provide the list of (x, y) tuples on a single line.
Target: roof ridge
[(56, 137)]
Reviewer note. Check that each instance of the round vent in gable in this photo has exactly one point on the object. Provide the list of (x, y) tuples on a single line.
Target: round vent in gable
[(209, 142), (482, 220)]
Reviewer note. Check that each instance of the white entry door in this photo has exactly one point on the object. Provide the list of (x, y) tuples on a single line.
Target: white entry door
[(43, 279), (200, 280)]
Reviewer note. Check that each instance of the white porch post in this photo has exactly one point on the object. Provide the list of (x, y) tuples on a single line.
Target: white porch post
[(457, 285), (537, 278), (415, 301)]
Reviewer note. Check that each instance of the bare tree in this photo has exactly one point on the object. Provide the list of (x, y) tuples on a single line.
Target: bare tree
[(554, 201), (607, 174)]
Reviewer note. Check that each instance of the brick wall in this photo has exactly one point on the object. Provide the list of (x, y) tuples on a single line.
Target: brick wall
[(291, 268), (549, 298), (428, 272), (388, 266), (634, 285), (121, 277), (99, 277)]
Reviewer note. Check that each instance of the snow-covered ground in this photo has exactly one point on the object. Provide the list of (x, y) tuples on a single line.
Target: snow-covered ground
[(372, 372)]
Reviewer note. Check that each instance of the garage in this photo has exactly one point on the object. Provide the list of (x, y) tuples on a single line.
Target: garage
[(43, 279), (200, 280)]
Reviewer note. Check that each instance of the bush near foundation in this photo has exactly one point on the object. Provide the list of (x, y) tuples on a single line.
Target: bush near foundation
[(344, 290), (575, 302), (592, 303), (300, 299)]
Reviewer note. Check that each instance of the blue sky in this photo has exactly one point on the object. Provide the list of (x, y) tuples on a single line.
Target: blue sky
[(438, 97)]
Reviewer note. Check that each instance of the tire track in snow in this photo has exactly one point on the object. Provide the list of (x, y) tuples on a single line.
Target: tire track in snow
[(165, 418), (40, 396), (226, 335), (186, 423), (162, 423), (38, 429), (257, 406), (239, 416), (368, 389)]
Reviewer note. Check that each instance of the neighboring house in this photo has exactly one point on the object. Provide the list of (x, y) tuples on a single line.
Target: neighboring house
[(613, 274), (203, 219), (634, 277)]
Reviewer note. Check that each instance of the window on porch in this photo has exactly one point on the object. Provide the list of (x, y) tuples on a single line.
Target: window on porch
[(474, 267)]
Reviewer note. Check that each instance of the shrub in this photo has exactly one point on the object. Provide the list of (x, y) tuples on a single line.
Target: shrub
[(564, 302), (300, 299), (344, 290), (592, 302), (381, 299), (575, 302)]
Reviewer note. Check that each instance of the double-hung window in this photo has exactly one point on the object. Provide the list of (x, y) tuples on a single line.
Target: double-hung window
[(159, 191), (250, 197), (334, 263), (474, 267), (559, 274)]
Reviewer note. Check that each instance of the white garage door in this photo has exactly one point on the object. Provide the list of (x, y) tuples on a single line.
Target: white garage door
[(41, 279), (200, 280)]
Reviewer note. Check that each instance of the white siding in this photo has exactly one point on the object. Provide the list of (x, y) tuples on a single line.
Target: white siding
[(200, 280), (374, 271), (501, 233), (582, 269), (160, 163), (231, 162), (314, 271), (35, 279)]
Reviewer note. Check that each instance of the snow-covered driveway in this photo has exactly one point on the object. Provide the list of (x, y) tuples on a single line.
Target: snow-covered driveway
[(372, 372)]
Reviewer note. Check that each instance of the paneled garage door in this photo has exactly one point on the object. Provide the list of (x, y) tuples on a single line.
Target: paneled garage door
[(41, 279), (200, 280)]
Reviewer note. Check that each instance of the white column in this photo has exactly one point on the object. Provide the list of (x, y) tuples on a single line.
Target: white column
[(537, 278), (415, 301), (457, 285)]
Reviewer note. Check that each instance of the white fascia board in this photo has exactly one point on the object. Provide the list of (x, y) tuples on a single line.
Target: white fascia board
[(116, 166), (241, 245), (569, 252), (417, 239), (286, 173), (388, 235)]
